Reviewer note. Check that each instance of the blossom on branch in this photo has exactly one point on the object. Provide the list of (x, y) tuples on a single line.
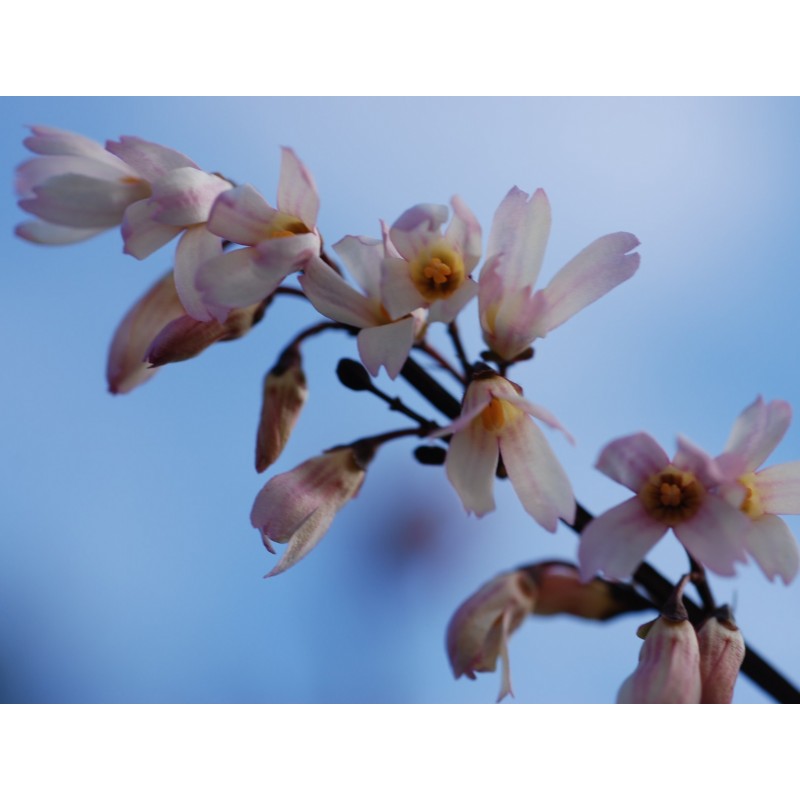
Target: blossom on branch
[(763, 494), (669, 494), (298, 507), (512, 315), (495, 421)]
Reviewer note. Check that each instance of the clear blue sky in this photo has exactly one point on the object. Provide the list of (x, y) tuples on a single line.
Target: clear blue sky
[(129, 571)]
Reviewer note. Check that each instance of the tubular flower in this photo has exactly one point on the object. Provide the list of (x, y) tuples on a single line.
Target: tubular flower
[(382, 340), (721, 655), (479, 631), (675, 495), (495, 422), (298, 506), (277, 241), (512, 315), (432, 269), (76, 187), (763, 494)]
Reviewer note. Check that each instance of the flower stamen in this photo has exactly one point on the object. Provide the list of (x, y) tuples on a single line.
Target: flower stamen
[(672, 496)]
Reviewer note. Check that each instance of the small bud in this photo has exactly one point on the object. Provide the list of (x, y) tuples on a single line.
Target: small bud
[(284, 395), (721, 654), (353, 375), (427, 454)]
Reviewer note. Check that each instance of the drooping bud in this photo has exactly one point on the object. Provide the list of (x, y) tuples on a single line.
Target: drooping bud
[(669, 661), (353, 375), (298, 506), (284, 395), (159, 306), (186, 337), (721, 654)]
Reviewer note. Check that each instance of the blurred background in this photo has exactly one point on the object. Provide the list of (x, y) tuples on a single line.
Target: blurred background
[(128, 568)]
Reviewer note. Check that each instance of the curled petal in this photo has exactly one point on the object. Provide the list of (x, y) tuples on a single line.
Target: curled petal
[(716, 535), (416, 227), (774, 548), (631, 460), (595, 271), (616, 542), (387, 346), (297, 192), (149, 159)]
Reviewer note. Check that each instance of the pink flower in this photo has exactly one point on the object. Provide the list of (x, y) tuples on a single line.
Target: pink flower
[(432, 269), (298, 506), (277, 241), (382, 341), (494, 422), (763, 494), (675, 495), (513, 315)]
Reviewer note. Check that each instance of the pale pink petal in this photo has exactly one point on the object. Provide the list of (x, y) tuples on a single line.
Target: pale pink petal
[(716, 535), (332, 296), (462, 421), (540, 412), (615, 543), (48, 141), (631, 460), (286, 254), (464, 232), (195, 247), (126, 368), (304, 539), (363, 256), (42, 232), (779, 488), (233, 280), (185, 196), (471, 464), (417, 227), (241, 215), (400, 295), (391, 250), (83, 202), (141, 233), (595, 271), (518, 237), (39, 170), (690, 458), (297, 192), (447, 310), (774, 548), (386, 345), (149, 159), (538, 479), (755, 434)]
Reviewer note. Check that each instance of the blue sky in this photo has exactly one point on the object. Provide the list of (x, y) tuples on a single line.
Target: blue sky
[(129, 568)]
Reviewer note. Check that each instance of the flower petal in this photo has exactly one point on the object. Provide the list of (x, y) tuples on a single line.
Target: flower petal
[(518, 237), (362, 257), (42, 232), (195, 247), (39, 170), (690, 458), (416, 227), (48, 141), (241, 215), (616, 542), (464, 232), (447, 310), (774, 548), (779, 488), (471, 464), (595, 271), (185, 196), (716, 535), (400, 296), (142, 234), (755, 434), (535, 473), (297, 192), (149, 159), (386, 345), (631, 460)]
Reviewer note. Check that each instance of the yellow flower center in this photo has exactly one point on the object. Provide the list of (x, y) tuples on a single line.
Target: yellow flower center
[(751, 505), (437, 271), (498, 414), (284, 225), (672, 496)]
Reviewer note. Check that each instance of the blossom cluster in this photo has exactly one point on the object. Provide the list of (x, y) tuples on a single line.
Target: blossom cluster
[(236, 253)]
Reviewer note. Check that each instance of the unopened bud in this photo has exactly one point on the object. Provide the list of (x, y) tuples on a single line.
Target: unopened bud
[(284, 395), (721, 654), (353, 375), (426, 454)]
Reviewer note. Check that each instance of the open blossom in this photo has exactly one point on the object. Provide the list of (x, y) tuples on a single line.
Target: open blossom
[(298, 506), (432, 269), (761, 494), (512, 315), (669, 494), (382, 341), (277, 241), (495, 422)]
